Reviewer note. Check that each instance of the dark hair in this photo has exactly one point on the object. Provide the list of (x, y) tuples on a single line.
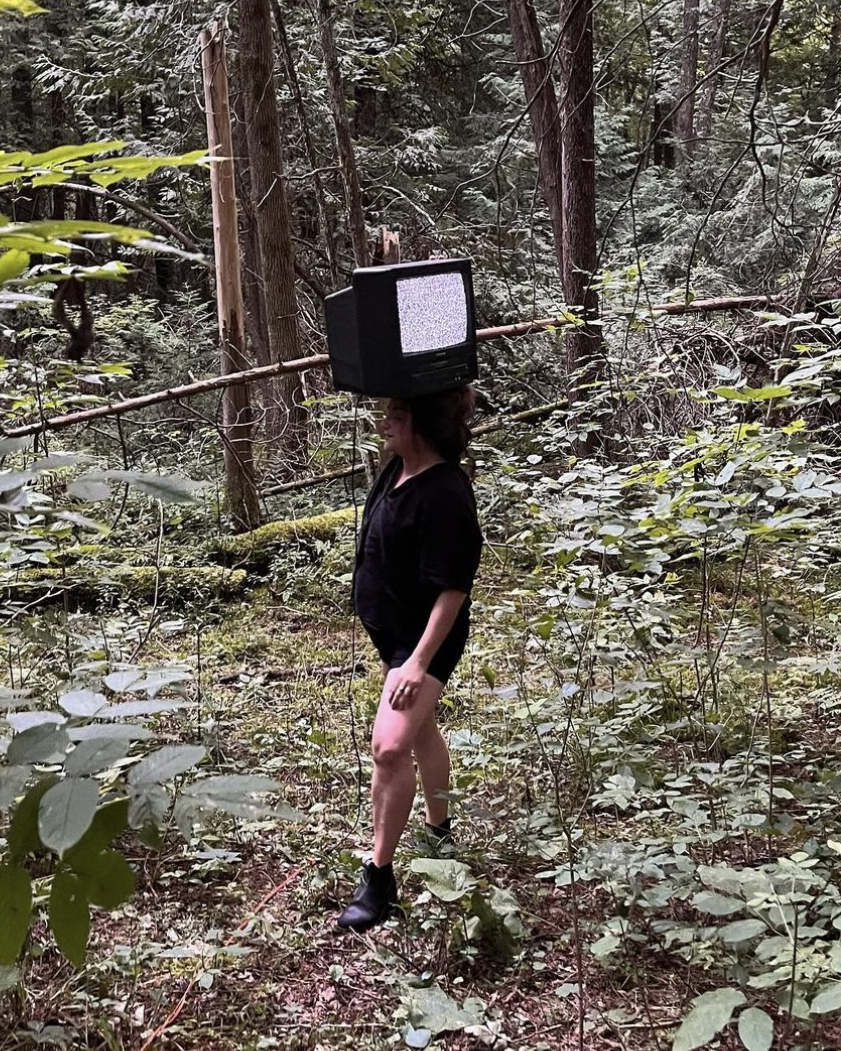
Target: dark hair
[(443, 420)]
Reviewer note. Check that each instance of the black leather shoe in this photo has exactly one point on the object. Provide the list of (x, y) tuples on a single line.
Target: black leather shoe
[(373, 899)]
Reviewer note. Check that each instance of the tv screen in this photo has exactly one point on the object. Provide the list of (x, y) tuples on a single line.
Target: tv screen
[(432, 311), (404, 329)]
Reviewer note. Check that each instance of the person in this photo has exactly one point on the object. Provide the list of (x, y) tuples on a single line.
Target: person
[(416, 560)]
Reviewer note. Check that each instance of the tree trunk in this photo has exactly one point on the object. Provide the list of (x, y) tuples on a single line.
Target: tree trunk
[(706, 101), (579, 188), (285, 415), (685, 116), (325, 222), (543, 112), (347, 158), (256, 325), (237, 418)]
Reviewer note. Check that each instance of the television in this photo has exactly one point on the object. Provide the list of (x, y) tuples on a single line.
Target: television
[(404, 329)]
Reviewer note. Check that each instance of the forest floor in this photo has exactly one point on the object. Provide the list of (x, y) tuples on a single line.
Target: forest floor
[(231, 942)]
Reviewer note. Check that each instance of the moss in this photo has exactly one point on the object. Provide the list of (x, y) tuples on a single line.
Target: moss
[(108, 555), (258, 544), (133, 582)]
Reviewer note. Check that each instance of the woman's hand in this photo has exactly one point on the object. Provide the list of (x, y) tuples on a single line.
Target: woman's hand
[(405, 685)]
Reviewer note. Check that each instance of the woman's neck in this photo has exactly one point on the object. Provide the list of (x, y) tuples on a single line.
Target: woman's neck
[(418, 459)]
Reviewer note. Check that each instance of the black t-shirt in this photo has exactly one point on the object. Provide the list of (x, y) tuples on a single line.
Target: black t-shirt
[(417, 540)]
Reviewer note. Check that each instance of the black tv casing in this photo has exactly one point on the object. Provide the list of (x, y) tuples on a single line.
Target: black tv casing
[(363, 335)]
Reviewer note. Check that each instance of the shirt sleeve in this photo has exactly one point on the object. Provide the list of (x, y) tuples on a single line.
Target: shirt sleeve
[(450, 538)]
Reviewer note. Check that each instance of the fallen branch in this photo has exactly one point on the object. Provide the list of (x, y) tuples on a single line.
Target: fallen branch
[(318, 361)]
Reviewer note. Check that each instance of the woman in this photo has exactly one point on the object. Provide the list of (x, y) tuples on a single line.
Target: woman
[(417, 556)]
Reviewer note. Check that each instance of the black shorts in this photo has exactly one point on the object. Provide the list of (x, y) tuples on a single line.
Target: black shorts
[(394, 652)]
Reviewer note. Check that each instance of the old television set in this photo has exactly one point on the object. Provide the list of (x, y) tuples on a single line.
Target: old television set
[(404, 329)]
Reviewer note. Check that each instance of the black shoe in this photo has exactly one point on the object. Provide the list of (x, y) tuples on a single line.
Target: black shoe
[(373, 900), (439, 835)]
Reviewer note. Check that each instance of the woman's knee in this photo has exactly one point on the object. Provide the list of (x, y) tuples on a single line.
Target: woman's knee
[(390, 754)]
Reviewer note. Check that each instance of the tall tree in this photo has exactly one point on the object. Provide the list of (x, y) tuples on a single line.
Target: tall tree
[(344, 142), (285, 418), (543, 111), (237, 417), (706, 100), (685, 116), (579, 184)]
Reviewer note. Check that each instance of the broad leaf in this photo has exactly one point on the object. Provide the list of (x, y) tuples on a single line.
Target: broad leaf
[(108, 822), (89, 757), (447, 880), (113, 731), (710, 1013), (21, 721), (147, 808), (21, 7), (12, 783), (107, 877), (716, 904), (42, 744), (166, 763), (70, 917), (66, 812), (828, 999), (741, 931), (15, 911), (22, 837), (431, 1008), (756, 1029), (169, 488), (82, 703)]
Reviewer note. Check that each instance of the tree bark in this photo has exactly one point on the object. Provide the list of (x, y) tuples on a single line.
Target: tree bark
[(237, 418), (706, 101), (543, 112), (325, 221), (685, 116), (347, 158), (285, 414), (579, 190)]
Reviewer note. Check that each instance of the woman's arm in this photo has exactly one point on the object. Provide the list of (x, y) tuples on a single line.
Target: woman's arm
[(409, 676)]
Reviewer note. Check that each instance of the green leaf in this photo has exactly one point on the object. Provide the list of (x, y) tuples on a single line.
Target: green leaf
[(15, 911), (166, 763), (447, 880), (107, 877), (828, 999), (84, 489), (108, 822), (417, 1038), (21, 7), (82, 703), (741, 931), (752, 393), (42, 744), (756, 1029), (169, 488), (12, 264), (9, 978), (12, 782), (716, 904), (66, 812), (710, 1013), (431, 1008), (147, 807), (22, 837), (70, 916), (90, 757)]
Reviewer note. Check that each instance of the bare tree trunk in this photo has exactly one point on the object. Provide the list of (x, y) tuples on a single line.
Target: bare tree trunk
[(256, 325), (706, 100), (579, 186), (285, 415), (543, 112), (347, 158), (237, 418), (325, 222), (685, 116)]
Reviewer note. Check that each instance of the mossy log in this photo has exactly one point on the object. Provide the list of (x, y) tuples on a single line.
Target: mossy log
[(105, 584), (259, 544)]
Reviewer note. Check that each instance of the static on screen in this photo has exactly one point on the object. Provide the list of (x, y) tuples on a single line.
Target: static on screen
[(432, 311)]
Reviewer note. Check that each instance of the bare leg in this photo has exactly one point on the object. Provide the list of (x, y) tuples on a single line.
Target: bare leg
[(433, 759), (393, 786)]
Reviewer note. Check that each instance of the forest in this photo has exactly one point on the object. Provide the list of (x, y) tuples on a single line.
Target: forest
[(644, 725)]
